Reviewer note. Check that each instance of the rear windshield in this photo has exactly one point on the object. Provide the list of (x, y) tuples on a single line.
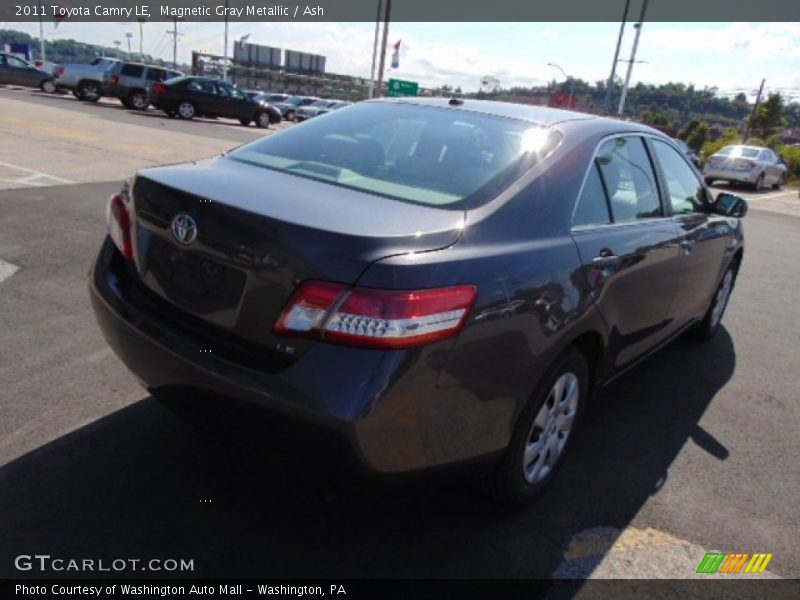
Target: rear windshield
[(424, 155), (739, 151)]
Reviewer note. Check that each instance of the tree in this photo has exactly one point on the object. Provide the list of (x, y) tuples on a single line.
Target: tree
[(698, 136), (769, 116)]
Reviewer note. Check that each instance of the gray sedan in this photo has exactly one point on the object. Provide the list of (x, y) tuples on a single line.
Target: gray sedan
[(753, 165), (15, 71)]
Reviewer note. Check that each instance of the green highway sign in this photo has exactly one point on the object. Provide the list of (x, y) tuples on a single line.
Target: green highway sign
[(398, 87)]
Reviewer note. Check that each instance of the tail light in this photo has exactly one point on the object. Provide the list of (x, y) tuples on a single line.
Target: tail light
[(159, 88), (115, 79), (118, 223), (371, 318)]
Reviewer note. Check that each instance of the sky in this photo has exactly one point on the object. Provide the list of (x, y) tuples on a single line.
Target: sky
[(732, 57)]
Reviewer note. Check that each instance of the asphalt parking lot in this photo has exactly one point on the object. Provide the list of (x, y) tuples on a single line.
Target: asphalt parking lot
[(694, 451)]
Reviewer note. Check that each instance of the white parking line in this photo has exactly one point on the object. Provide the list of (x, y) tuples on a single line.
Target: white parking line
[(33, 174), (7, 270)]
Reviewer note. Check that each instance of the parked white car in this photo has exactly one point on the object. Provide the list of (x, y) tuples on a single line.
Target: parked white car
[(753, 165)]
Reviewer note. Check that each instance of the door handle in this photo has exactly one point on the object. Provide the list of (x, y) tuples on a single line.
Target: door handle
[(687, 245), (606, 258)]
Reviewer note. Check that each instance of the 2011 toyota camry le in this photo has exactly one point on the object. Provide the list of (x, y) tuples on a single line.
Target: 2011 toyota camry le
[(420, 282)]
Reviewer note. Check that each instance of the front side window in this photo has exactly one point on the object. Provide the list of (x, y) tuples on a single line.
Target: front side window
[(16, 63), (686, 194), (419, 154), (628, 178)]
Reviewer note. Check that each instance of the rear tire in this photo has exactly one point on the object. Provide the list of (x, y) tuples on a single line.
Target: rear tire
[(48, 86), (543, 433), (186, 110), (708, 327), (89, 91), (138, 100)]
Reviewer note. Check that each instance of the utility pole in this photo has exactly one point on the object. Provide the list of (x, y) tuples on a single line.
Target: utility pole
[(374, 51), (383, 44), (610, 86), (753, 112), (141, 38), (638, 27), (41, 36), (174, 33), (225, 50), (129, 35), (117, 43)]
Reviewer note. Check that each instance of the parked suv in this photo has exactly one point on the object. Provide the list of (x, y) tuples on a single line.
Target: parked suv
[(133, 82)]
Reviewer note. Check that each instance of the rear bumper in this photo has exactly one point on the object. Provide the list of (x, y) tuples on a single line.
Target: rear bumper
[(731, 175), (380, 411)]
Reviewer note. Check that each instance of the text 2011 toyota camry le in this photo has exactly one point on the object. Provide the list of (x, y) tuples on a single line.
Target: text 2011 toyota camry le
[(422, 282)]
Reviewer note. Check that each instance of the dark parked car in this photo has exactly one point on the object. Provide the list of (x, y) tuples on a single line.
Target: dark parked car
[(421, 282), (132, 83), (16, 71), (190, 97)]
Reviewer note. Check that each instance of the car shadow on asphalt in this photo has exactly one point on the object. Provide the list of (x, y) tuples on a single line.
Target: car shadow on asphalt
[(141, 483)]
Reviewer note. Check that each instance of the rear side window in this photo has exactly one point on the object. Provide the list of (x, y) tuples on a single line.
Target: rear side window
[(628, 179), (592, 208), (202, 85), (132, 70), (155, 74), (421, 154)]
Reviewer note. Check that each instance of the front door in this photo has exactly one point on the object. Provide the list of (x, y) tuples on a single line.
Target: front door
[(628, 248), (706, 238)]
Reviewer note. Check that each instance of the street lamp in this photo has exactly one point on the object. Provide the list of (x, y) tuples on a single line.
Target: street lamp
[(129, 35), (568, 78), (117, 43)]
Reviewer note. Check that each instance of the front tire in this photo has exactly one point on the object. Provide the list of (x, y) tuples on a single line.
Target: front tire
[(759, 184), (186, 110), (708, 327), (48, 86), (543, 433), (262, 120)]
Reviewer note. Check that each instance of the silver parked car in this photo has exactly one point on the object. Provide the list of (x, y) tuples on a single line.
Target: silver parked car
[(753, 165)]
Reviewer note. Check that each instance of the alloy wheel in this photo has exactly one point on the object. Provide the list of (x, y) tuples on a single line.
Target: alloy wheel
[(722, 297), (551, 428), (186, 110)]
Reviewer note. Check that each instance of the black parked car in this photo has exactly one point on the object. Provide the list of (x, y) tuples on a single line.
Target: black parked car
[(16, 71), (190, 97), (422, 282)]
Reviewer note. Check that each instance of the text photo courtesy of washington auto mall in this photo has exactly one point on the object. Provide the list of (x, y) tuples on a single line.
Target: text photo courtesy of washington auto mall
[(400, 299)]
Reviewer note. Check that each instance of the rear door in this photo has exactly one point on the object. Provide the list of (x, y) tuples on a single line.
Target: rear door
[(706, 239), (628, 247), (234, 102), (204, 95)]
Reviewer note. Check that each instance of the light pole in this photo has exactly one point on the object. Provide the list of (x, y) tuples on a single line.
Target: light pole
[(374, 52), (129, 35), (117, 43), (610, 85), (568, 78), (141, 38)]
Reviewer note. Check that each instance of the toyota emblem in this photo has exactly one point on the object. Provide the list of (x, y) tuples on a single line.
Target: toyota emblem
[(184, 229)]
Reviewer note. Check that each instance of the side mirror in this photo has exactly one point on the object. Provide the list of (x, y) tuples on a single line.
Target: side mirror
[(729, 205)]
